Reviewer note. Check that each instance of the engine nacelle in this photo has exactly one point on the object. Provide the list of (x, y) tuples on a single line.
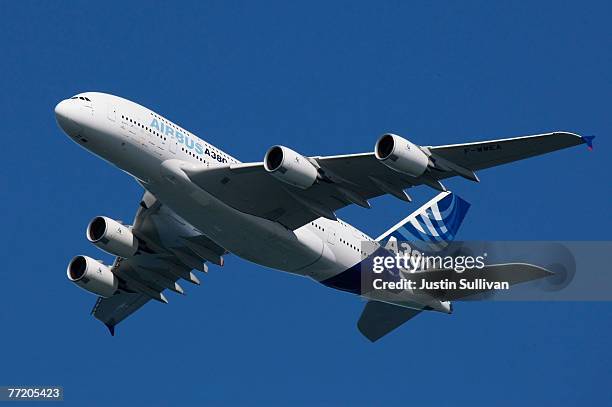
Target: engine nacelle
[(290, 167), (401, 155), (92, 276), (112, 237)]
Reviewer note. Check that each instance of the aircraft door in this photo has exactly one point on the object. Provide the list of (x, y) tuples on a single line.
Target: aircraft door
[(124, 126), (112, 113), (332, 237)]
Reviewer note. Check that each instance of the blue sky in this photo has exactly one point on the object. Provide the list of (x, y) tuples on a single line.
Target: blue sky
[(322, 78)]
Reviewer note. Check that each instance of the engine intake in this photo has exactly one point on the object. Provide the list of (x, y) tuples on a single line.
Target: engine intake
[(401, 155), (112, 237), (290, 167), (93, 276)]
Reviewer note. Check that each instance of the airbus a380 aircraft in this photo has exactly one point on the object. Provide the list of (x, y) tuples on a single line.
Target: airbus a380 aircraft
[(201, 203)]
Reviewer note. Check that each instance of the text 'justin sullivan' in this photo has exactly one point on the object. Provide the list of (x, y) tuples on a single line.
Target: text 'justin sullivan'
[(445, 284)]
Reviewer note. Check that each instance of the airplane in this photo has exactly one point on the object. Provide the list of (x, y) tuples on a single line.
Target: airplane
[(200, 204)]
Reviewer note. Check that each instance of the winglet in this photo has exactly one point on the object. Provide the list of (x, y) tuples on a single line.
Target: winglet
[(111, 329), (589, 141)]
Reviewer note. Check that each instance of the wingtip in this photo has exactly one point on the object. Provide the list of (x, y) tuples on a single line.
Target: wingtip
[(588, 140)]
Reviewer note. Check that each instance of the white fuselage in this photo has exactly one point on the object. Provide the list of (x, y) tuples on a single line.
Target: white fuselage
[(145, 145)]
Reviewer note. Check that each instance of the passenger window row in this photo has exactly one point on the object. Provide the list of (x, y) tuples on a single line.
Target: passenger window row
[(134, 122), (197, 157), (352, 246), (317, 226)]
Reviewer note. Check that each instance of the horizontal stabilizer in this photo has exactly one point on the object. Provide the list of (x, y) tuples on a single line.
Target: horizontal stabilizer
[(380, 318), (511, 273)]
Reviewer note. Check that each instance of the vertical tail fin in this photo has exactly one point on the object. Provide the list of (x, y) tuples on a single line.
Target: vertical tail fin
[(436, 222)]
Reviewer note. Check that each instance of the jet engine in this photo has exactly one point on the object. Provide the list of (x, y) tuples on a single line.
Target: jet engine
[(290, 167), (112, 237), (401, 155), (92, 276)]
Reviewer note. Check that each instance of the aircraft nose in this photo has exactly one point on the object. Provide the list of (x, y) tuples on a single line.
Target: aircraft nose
[(64, 114), (62, 110)]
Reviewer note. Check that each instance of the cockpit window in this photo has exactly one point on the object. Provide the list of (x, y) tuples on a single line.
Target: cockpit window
[(81, 98)]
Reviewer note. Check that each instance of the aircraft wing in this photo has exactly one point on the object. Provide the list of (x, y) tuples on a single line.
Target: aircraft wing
[(171, 249), (355, 178), (511, 273), (111, 311), (485, 154)]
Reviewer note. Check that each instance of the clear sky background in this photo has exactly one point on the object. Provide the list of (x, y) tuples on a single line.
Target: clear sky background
[(323, 78)]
